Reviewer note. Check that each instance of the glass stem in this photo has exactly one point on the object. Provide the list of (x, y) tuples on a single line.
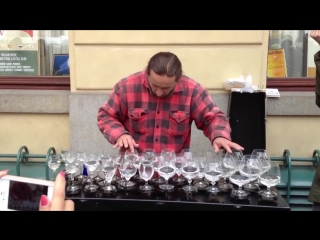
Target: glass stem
[(72, 179), (54, 174), (189, 181), (81, 168), (167, 180), (91, 178)]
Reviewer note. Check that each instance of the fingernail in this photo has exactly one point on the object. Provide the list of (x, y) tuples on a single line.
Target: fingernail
[(43, 200), (62, 173), (7, 170)]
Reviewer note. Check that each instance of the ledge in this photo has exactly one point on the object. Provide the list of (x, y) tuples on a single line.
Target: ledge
[(293, 104), (34, 101), (57, 101)]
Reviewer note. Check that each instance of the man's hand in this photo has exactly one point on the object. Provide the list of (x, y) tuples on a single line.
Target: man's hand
[(3, 173), (126, 141), (315, 34), (226, 144)]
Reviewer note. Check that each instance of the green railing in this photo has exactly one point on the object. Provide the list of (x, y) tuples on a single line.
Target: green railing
[(23, 156), (297, 178)]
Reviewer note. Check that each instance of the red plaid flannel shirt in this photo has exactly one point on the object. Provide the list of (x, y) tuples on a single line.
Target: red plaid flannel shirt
[(160, 123)]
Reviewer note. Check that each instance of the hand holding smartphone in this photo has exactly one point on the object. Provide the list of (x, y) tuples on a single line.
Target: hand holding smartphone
[(23, 194)]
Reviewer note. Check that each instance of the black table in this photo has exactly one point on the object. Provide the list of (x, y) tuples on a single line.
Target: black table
[(176, 200)]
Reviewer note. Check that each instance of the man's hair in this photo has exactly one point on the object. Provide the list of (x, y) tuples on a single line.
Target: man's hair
[(165, 64)]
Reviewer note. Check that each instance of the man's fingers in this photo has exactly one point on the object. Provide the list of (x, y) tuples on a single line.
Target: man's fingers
[(116, 145), (68, 205), (58, 197), (44, 204), (227, 147), (134, 143), (216, 148), (3, 173)]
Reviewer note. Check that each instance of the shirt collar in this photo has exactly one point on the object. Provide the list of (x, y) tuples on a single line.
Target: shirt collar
[(178, 87)]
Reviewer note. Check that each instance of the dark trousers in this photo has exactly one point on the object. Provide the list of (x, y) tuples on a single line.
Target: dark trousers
[(316, 207)]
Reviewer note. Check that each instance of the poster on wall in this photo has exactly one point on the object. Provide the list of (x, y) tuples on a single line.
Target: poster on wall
[(19, 55), (277, 66)]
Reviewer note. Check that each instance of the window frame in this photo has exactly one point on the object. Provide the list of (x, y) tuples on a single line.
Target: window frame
[(304, 84), (35, 82)]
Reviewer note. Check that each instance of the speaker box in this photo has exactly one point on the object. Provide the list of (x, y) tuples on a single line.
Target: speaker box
[(247, 116)]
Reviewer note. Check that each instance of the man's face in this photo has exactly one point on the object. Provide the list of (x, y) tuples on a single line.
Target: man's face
[(161, 86)]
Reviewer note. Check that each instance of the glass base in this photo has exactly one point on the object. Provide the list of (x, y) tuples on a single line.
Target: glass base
[(239, 194), (251, 187), (213, 189), (81, 178), (159, 180), (98, 179), (146, 188), (109, 189), (189, 188), (124, 185), (201, 185), (73, 189), (179, 180), (166, 187), (268, 195), (225, 187), (91, 188)]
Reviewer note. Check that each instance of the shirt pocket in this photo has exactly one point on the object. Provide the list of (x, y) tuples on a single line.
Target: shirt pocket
[(138, 120), (179, 123)]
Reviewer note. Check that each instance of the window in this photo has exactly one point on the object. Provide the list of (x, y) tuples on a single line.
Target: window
[(34, 59), (291, 60)]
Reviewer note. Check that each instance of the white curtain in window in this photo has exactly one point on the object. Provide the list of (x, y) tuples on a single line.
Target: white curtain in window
[(51, 42)]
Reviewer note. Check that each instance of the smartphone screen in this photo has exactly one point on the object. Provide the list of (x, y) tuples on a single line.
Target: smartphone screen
[(25, 196)]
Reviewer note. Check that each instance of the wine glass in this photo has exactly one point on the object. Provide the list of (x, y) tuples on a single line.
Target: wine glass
[(146, 171), (213, 172), (188, 153), (136, 161), (190, 169), (63, 158), (54, 164), (201, 184), (166, 168), (91, 164), (109, 168), (81, 157), (241, 177), (265, 161), (71, 169), (98, 177), (256, 170), (156, 165), (270, 178), (178, 165), (127, 168), (228, 167), (63, 154)]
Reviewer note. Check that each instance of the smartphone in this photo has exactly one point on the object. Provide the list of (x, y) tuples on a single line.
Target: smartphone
[(23, 194)]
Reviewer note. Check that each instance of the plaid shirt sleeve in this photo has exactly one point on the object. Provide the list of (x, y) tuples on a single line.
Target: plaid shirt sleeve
[(110, 116), (207, 116)]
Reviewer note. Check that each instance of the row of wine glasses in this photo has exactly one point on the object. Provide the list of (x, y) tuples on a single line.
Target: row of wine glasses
[(248, 171)]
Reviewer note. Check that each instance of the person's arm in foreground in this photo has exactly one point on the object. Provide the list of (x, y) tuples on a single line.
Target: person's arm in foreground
[(58, 199), (214, 123)]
